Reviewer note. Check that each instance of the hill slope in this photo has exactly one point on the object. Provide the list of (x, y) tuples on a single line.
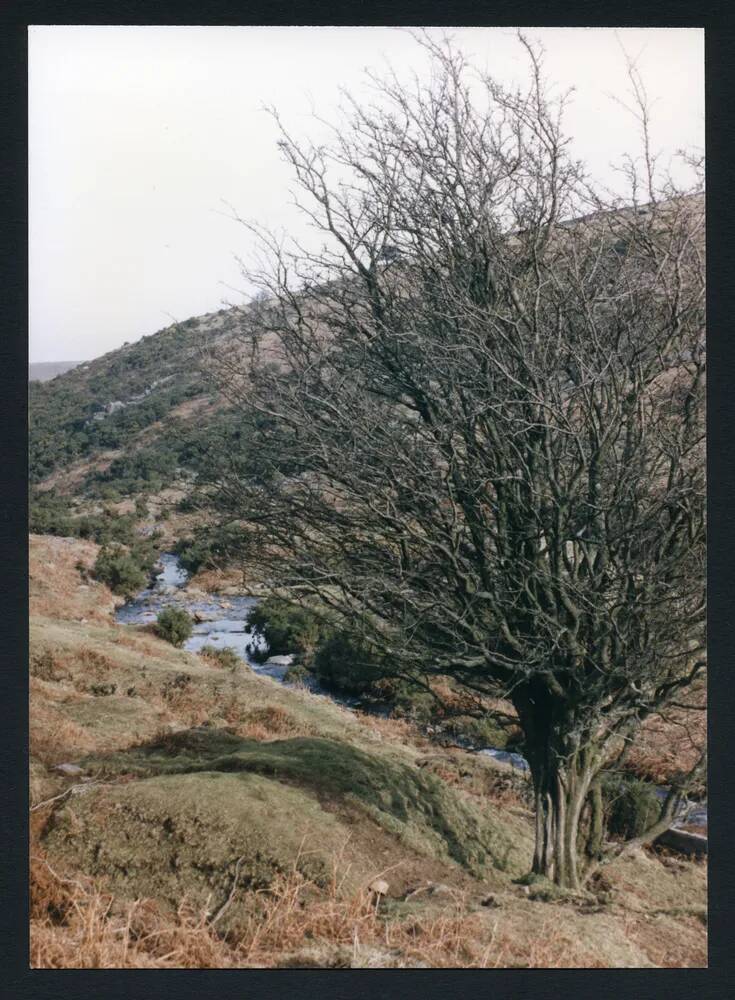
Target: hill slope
[(203, 818), (126, 403)]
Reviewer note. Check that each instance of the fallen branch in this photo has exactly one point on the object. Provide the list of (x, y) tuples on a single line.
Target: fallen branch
[(229, 899)]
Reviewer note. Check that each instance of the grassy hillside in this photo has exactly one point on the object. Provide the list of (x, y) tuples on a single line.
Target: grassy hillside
[(129, 419), (214, 818)]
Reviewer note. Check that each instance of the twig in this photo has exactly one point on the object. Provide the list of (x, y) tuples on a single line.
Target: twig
[(229, 899), (69, 791)]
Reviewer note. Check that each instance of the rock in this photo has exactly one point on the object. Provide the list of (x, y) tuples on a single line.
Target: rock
[(279, 661), (432, 889), (70, 769), (683, 842), (379, 886)]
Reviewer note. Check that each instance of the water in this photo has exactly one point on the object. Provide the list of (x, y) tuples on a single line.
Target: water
[(223, 622), (515, 760), (219, 621)]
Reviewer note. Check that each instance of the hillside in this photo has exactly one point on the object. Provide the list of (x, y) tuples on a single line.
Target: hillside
[(187, 815), (124, 421)]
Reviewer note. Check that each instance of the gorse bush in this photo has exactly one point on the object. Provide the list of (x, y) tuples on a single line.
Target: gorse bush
[(343, 663), (49, 515), (174, 625), (120, 570), (339, 660), (630, 806), (62, 428), (210, 547), (287, 628)]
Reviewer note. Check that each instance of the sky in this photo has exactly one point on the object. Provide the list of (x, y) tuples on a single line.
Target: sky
[(142, 141)]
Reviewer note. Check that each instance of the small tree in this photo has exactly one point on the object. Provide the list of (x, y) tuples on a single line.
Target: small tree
[(475, 421), (174, 625), (122, 573)]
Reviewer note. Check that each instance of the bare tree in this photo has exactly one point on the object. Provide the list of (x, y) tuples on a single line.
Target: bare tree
[(475, 420)]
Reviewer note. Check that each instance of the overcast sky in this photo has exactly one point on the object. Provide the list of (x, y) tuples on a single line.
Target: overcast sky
[(140, 135)]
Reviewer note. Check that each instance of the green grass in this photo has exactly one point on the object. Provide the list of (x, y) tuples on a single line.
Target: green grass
[(415, 806)]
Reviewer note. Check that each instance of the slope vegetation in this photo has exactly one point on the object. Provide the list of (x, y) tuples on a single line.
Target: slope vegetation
[(187, 815)]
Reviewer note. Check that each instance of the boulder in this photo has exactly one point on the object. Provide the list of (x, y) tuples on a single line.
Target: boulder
[(690, 844), (69, 769)]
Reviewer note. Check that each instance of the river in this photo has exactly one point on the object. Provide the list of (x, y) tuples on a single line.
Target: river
[(223, 622)]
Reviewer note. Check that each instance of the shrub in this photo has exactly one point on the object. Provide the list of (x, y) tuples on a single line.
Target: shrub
[(630, 805), (413, 703), (344, 663), (226, 658), (174, 625), (210, 547), (122, 573), (49, 515), (479, 732), (186, 505), (286, 627), (297, 674)]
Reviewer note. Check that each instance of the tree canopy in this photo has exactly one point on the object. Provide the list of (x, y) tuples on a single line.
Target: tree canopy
[(475, 418)]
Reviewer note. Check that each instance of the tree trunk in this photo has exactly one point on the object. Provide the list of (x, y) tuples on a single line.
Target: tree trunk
[(595, 833), (560, 792), (562, 778)]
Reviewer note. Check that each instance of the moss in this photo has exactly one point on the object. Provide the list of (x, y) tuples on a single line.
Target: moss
[(181, 836), (415, 806)]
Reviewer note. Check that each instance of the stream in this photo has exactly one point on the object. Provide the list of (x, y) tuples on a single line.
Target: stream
[(223, 622)]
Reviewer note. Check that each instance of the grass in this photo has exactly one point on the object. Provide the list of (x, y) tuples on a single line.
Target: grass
[(296, 922), (412, 804), (206, 792)]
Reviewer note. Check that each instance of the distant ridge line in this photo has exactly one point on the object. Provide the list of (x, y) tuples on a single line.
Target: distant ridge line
[(42, 371)]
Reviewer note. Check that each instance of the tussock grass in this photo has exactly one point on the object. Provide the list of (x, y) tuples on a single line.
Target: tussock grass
[(292, 923)]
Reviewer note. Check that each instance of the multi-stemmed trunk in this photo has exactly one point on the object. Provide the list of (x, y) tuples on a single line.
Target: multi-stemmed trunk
[(563, 772), (561, 788)]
